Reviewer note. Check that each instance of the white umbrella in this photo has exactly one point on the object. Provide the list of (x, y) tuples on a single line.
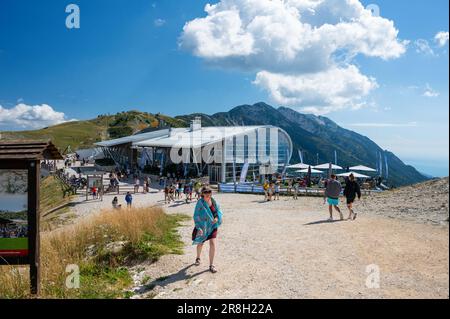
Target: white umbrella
[(327, 166), (313, 171), (362, 168), (299, 166), (354, 174)]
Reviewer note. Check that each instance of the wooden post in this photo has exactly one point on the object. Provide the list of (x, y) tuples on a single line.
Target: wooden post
[(22, 155), (33, 226)]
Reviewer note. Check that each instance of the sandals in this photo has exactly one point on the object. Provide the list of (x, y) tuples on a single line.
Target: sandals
[(212, 269)]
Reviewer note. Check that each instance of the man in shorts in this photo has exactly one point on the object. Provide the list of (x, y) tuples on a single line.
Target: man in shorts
[(332, 192)]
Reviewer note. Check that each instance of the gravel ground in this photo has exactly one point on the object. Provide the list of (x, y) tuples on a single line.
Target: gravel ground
[(426, 202), (286, 249)]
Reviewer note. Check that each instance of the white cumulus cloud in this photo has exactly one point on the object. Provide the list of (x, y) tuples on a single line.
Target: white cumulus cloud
[(293, 44), (320, 92), (429, 92), (24, 116), (442, 38)]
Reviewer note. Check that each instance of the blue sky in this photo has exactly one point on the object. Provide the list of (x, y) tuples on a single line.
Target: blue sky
[(126, 55)]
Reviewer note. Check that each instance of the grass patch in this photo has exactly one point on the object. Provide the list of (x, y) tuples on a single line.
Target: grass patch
[(52, 194), (102, 246)]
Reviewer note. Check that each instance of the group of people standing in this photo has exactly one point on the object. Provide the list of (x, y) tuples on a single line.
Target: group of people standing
[(177, 189), (145, 183), (271, 190)]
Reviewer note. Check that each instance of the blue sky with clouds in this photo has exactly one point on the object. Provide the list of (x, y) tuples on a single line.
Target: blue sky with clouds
[(135, 55)]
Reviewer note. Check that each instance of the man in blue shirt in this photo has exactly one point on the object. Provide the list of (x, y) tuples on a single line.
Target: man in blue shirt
[(129, 199)]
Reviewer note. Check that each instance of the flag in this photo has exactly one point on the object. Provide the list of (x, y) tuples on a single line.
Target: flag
[(286, 163), (244, 172), (300, 155), (162, 163), (330, 170), (387, 166), (185, 169), (308, 181), (376, 161), (381, 165)]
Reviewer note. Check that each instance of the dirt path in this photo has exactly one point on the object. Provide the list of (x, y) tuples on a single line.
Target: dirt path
[(285, 250)]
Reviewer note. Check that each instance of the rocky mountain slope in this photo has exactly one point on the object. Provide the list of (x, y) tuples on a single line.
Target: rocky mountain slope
[(316, 136), (424, 202)]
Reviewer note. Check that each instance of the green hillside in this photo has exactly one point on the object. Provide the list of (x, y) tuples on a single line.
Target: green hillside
[(81, 134), (84, 134)]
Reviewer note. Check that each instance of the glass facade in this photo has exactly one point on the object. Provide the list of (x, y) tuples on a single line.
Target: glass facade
[(268, 147)]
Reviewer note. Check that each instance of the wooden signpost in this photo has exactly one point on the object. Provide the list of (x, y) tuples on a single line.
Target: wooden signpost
[(19, 202)]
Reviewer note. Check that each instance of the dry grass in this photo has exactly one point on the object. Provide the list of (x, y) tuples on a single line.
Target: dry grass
[(145, 234)]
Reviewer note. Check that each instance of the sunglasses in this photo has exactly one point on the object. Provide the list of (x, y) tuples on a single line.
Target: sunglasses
[(207, 192)]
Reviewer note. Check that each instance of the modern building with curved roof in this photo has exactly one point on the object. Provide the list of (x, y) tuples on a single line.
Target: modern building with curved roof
[(225, 154)]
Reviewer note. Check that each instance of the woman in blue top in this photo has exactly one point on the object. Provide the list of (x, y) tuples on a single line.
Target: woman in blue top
[(207, 219)]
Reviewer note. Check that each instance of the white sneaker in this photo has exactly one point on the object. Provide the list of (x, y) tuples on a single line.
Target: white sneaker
[(330, 219)]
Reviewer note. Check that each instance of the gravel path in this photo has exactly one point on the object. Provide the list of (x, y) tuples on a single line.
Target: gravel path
[(285, 249)]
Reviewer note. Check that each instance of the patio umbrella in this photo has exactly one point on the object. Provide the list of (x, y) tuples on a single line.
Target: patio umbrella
[(327, 166), (306, 171), (362, 168), (357, 175), (299, 166), (308, 182)]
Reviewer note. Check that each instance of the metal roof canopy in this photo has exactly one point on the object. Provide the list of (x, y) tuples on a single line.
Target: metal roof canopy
[(183, 137), (134, 138), (27, 150)]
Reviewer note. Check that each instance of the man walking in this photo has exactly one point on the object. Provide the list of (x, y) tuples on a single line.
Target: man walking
[(351, 190), (332, 193)]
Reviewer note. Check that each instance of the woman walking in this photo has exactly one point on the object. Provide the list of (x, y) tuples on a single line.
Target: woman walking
[(207, 219), (350, 191)]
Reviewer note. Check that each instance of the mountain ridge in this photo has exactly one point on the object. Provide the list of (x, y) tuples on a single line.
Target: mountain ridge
[(317, 136)]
